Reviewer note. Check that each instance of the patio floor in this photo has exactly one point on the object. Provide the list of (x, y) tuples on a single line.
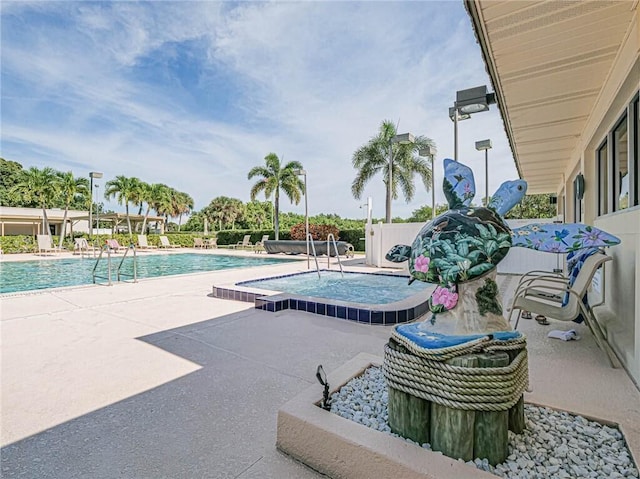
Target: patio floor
[(160, 380)]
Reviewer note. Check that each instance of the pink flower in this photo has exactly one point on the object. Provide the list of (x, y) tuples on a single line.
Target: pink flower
[(443, 296), (422, 263)]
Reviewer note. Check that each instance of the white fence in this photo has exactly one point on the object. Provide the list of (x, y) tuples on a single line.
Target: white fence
[(381, 237)]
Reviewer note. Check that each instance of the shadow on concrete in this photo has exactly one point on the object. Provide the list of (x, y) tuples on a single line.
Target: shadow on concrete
[(217, 422)]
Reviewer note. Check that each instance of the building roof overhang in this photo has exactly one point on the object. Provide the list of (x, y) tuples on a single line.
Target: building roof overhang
[(548, 62)]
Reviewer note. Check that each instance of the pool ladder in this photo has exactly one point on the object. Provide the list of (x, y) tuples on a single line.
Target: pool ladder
[(119, 273), (330, 239)]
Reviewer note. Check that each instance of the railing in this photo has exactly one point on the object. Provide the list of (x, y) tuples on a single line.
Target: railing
[(330, 238), (95, 266), (134, 275), (315, 256), (119, 273)]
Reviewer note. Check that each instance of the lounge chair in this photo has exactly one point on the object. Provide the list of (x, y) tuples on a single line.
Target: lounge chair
[(143, 243), (540, 294), (164, 243), (259, 246), (45, 245), (245, 243), (114, 246)]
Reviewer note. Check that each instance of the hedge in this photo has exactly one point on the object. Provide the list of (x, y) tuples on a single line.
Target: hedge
[(28, 244)]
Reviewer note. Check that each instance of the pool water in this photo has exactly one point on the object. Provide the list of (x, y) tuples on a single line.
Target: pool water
[(365, 288), (42, 274)]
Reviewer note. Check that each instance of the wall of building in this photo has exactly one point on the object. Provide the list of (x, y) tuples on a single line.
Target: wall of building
[(620, 315)]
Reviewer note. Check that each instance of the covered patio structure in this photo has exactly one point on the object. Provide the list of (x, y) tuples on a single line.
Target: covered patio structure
[(119, 222), (566, 77)]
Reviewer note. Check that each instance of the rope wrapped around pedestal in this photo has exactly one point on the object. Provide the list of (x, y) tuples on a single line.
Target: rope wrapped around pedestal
[(460, 394), (424, 373)]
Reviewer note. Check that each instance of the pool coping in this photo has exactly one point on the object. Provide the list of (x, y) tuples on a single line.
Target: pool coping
[(398, 312), (28, 257)]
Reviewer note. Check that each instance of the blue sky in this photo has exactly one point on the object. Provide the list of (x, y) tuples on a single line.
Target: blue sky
[(194, 94)]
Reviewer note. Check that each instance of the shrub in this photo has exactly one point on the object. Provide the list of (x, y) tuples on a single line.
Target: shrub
[(318, 232), (355, 237)]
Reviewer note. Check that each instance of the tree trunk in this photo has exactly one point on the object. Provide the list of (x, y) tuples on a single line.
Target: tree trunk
[(128, 220), (64, 224), (276, 218)]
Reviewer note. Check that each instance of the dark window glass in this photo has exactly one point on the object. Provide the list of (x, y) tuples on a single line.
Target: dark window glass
[(603, 179), (621, 162)]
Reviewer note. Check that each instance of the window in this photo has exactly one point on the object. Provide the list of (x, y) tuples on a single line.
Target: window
[(578, 194), (621, 164), (617, 163), (603, 179)]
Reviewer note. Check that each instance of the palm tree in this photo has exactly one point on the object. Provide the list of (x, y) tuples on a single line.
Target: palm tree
[(40, 186), (275, 178), (224, 211), (124, 190), (182, 204), (374, 157), (70, 188), (163, 203), (153, 195)]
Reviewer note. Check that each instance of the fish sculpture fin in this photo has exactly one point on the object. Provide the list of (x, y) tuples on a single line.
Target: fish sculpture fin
[(561, 237), (399, 253), (458, 185)]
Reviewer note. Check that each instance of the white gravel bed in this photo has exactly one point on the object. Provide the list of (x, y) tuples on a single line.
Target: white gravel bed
[(554, 445)]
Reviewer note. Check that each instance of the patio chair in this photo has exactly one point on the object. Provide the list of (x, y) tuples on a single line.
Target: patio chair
[(259, 246), (114, 246), (211, 243), (45, 245), (544, 295), (199, 243), (245, 243), (164, 243), (144, 244)]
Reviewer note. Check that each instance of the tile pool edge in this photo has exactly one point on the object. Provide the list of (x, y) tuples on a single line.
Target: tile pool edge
[(403, 311)]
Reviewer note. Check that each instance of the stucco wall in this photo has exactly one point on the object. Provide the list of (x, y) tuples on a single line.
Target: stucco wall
[(620, 315)]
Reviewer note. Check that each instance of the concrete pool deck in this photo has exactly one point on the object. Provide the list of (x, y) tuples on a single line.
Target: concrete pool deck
[(158, 379)]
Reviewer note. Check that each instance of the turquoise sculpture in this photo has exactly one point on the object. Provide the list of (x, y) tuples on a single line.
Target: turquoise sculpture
[(463, 246)]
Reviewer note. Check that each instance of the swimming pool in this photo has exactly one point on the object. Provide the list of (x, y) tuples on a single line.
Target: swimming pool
[(43, 274), (354, 287), (369, 298)]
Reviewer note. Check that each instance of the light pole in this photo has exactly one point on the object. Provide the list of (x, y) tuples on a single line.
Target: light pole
[(430, 151), (306, 212), (468, 102), (92, 175), (486, 146), (403, 139)]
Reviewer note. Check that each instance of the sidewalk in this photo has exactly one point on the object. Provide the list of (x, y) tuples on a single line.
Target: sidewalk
[(158, 380)]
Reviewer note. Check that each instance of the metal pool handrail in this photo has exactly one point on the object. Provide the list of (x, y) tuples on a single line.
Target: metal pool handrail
[(315, 256), (330, 237), (135, 261), (95, 266)]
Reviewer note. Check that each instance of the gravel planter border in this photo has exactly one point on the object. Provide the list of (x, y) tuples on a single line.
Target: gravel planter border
[(556, 444)]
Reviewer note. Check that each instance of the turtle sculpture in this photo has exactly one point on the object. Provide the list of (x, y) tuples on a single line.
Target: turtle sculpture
[(459, 251)]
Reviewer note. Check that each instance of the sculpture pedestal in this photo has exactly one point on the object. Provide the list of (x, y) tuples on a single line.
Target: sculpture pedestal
[(453, 405)]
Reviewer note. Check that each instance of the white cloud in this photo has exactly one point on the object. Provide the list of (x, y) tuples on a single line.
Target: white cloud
[(310, 81)]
